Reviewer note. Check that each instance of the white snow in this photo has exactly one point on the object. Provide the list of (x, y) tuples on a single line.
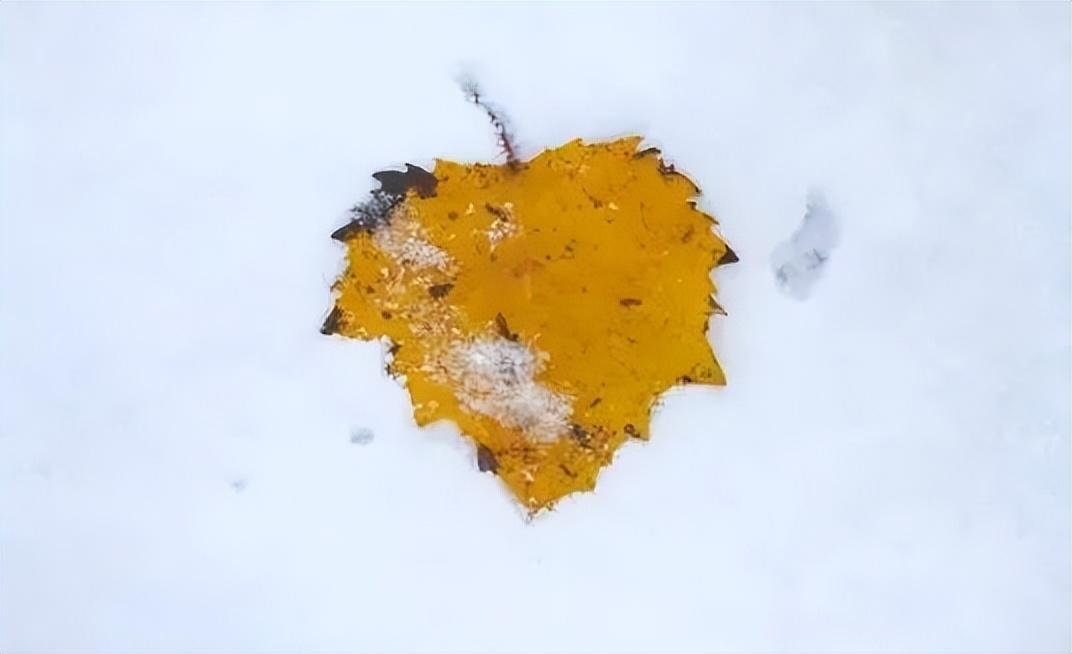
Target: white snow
[(495, 377), (887, 470), (402, 239), (501, 229)]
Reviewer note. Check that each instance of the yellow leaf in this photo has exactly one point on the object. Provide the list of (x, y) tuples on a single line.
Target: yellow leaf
[(543, 306)]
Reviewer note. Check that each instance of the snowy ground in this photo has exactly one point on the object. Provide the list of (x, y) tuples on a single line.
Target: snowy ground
[(186, 464)]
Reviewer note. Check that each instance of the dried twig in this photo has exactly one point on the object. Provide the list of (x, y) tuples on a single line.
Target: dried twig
[(498, 120)]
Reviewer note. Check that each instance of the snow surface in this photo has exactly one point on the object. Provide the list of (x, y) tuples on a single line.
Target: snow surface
[(888, 469)]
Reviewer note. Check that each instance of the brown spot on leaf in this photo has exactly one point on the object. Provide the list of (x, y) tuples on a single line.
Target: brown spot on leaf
[(439, 290), (397, 182), (630, 302), (499, 212), (347, 231), (579, 434), (485, 459), (332, 322), (503, 328), (715, 306), (369, 215), (668, 170), (729, 256)]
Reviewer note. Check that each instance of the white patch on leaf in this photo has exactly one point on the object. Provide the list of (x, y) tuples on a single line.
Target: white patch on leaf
[(495, 377)]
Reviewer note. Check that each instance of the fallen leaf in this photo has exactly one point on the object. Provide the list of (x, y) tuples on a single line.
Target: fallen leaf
[(542, 306)]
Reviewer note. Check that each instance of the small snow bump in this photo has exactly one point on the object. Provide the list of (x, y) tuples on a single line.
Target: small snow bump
[(362, 436), (798, 262)]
